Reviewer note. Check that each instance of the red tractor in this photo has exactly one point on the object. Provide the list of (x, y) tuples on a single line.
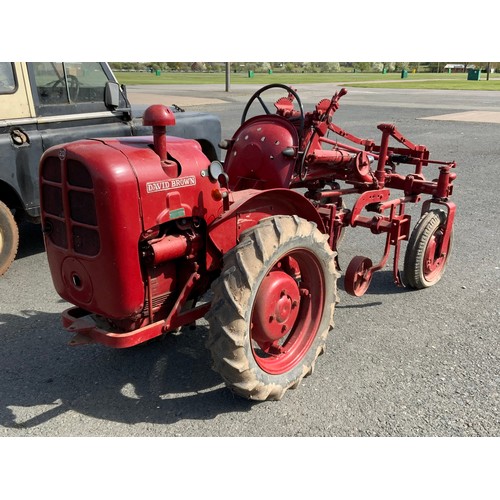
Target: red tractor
[(138, 230)]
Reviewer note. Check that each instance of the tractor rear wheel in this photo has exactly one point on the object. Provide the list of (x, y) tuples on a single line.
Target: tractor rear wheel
[(9, 238), (424, 265), (272, 307)]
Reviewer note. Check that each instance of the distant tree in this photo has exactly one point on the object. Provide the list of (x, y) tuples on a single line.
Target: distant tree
[(389, 66), (215, 67), (198, 66), (333, 67), (362, 66), (436, 67), (311, 67)]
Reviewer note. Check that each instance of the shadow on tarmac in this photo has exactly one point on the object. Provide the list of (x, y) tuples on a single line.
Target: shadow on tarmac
[(161, 382)]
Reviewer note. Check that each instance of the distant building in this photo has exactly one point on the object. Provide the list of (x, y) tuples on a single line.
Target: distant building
[(457, 68)]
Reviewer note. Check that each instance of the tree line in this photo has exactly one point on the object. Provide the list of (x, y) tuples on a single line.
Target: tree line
[(296, 67)]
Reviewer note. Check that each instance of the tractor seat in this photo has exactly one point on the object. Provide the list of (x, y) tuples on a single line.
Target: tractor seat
[(262, 154)]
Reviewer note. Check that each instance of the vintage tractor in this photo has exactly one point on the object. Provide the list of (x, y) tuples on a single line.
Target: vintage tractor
[(145, 235)]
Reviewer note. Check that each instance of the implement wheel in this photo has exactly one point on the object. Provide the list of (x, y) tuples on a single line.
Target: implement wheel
[(424, 262), (358, 276), (9, 238), (272, 307)]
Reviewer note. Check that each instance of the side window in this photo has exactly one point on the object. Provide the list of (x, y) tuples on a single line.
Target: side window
[(50, 83), (88, 80), (8, 82), (71, 82)]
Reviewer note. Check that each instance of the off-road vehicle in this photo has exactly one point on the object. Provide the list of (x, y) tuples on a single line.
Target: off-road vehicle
[(43, 104)]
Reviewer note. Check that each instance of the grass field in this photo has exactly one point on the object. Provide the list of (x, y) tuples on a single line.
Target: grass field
[(443, 81)]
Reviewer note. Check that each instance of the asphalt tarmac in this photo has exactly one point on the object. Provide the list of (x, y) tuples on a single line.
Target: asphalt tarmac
[(398, 363)]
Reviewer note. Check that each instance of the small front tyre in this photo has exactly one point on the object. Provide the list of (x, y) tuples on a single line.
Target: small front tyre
[(272, 307), (425, 263)]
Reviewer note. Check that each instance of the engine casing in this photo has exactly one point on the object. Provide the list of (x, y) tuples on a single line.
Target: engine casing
[(102, 201)]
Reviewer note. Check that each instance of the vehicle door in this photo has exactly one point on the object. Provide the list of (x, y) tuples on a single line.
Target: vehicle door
[(20, 140)]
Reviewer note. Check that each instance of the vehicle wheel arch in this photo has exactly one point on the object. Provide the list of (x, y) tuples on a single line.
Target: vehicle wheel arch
[(224, 233), (10, 197)]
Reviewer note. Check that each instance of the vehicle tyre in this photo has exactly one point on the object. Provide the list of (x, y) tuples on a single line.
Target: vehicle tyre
[(272, 307), (9, 238), (423, 264)]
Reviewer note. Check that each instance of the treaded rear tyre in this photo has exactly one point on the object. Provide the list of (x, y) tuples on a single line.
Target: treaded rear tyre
[(272, 307), (9, 238)]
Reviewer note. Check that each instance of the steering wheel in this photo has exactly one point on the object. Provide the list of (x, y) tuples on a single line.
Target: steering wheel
[(74, 85), (266, 109)]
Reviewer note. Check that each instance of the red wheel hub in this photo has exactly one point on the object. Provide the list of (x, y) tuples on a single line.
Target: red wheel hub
[(358, 276), (276, 308), (433, 261), (287, 311)]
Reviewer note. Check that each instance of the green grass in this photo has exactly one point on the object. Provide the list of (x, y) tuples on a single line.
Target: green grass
[(448, 84), (438, 81)]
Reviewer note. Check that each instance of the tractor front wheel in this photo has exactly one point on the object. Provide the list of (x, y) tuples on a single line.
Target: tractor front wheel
[(272, 307), (425, 262)]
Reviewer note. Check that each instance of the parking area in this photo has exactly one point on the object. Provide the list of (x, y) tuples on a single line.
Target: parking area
[(398, 362)]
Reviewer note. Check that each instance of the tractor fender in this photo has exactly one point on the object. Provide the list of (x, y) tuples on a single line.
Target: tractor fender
[(250, 206)]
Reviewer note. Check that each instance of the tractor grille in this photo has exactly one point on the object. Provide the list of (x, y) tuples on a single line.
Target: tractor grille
[(69, 206), (157, 302)]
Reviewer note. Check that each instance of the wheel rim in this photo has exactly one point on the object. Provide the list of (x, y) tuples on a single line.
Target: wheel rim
[(287, 312), (434, 260), (358, 276)]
